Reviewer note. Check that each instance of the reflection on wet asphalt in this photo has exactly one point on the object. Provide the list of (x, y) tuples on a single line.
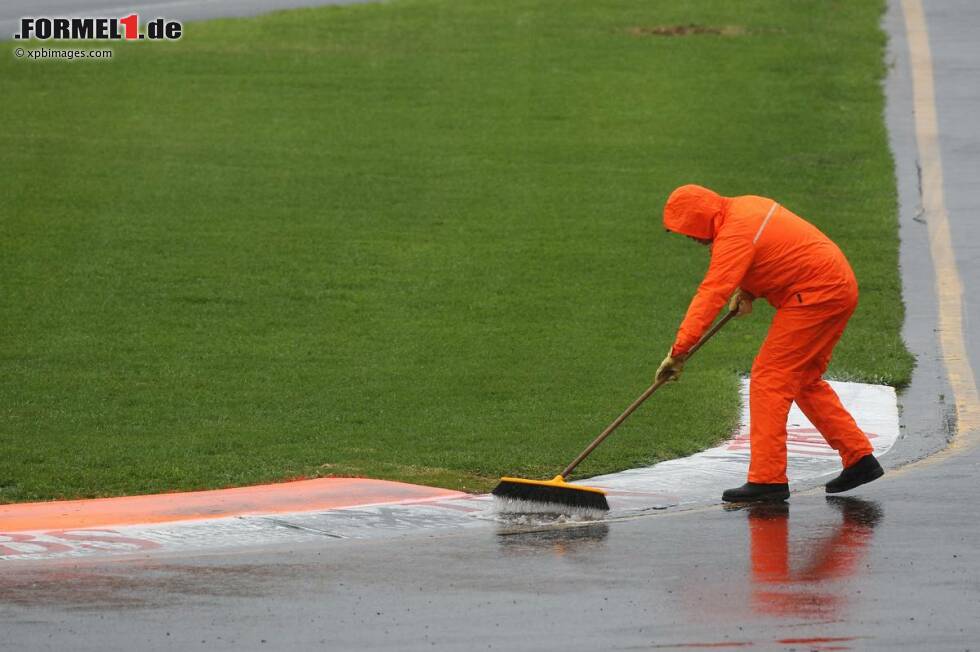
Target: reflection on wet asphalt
[(579, 539), (136, 585), (803, 583)]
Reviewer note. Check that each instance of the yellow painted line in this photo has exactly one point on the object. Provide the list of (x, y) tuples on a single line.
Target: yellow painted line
[(949, 288)]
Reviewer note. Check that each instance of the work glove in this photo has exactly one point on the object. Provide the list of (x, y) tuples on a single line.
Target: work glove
[(741, 301), (670, 368)]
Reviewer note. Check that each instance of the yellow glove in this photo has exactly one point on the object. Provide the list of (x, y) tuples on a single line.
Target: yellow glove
[(670, 369), (742, 302)]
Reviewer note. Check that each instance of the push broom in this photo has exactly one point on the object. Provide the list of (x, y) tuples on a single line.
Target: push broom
[(556, 496)]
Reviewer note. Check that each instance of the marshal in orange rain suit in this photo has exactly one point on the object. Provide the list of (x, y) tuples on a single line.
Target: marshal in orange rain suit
[(767, 251)]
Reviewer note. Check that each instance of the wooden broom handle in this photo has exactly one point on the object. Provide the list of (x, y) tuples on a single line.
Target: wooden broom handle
[(645, 395)]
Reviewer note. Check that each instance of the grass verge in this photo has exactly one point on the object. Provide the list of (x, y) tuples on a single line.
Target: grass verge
[(416, 240)]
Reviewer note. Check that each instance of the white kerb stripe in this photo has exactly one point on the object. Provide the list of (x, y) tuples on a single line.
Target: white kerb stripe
[(764, 222)]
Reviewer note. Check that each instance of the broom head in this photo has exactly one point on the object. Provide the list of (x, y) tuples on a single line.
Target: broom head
[(520, 496)]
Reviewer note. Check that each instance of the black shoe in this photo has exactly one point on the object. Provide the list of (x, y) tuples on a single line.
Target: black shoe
[(754, 492), (864, 470)]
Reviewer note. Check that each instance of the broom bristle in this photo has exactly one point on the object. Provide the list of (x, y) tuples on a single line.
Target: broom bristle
[(510, 509), (517, 496)]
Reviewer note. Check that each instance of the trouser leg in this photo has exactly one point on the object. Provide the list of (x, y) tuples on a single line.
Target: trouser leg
[(794, 355), (771, 393), (821, 405)]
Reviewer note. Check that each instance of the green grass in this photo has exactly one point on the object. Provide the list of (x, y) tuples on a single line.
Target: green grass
[(418, 240)]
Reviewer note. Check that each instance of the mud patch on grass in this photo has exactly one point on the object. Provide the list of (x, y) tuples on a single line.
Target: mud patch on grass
[(688, 30)]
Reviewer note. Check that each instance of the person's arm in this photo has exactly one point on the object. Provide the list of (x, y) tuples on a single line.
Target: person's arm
[(731, 257)]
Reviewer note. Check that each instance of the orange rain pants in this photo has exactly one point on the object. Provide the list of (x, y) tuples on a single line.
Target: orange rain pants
[(789, 367), (770, 252)]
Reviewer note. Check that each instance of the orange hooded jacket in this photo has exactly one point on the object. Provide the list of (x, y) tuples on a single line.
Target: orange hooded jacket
[(759, 246)]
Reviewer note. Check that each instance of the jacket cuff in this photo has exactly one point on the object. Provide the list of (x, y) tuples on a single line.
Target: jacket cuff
[(677, 351)]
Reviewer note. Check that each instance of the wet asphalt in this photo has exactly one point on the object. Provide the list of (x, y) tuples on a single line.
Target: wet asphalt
[(895, 564), (883, 569)]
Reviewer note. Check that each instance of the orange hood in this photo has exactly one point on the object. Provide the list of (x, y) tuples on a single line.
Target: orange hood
[(695, 211)]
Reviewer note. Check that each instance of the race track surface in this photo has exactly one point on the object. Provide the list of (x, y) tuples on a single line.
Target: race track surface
[(894, 564)]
